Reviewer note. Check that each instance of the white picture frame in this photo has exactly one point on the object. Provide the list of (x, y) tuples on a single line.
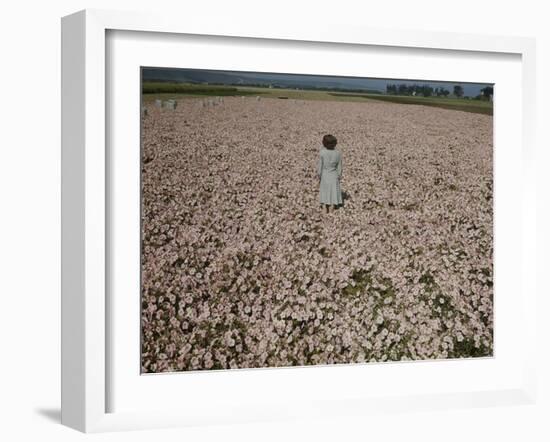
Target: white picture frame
[(86, 315)]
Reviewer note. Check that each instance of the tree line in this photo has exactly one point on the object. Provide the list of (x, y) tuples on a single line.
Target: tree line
[(429, 91)]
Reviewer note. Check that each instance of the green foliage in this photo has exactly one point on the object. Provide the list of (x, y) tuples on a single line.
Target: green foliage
[(467, 349), (458, 91), (487, 91), (362, 279), (151, 87)]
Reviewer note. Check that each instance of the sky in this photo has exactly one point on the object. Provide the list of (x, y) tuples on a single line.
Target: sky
[(296, 80)]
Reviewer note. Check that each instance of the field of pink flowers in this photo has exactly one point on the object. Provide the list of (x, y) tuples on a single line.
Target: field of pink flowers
[(241, 268)]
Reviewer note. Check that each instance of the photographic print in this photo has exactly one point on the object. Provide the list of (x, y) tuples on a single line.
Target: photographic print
[(300, 220)]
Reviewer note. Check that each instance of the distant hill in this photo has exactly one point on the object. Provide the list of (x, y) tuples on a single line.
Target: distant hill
[(247, 79), (287, 80), (188, 76)]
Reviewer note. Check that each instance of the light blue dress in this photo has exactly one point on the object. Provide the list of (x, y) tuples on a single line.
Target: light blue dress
[(329, 171)]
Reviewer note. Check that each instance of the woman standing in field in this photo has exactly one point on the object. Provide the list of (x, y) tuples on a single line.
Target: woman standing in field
[(329, 171)]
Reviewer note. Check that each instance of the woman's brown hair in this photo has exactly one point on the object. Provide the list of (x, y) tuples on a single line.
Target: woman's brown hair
[(329, 141)]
